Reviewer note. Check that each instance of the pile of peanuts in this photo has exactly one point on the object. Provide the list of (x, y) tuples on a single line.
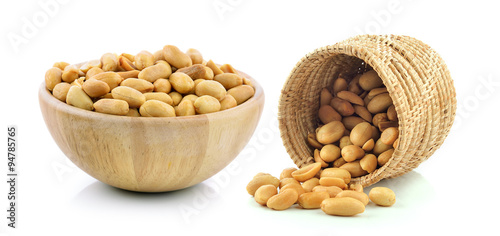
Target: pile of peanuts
[(359, 125), (167, 83), (333, 191)]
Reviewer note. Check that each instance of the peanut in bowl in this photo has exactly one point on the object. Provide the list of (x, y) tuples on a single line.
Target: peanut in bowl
[(151, 154)]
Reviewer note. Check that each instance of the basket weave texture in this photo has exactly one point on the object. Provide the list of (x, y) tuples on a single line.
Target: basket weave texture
[(416, 78)]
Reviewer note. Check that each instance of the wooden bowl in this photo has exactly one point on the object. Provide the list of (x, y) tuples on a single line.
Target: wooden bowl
[(151, 154)]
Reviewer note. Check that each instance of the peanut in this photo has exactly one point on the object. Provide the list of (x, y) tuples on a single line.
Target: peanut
[(70, 73), (191, 97), (352, 152), (111, 78), (265, 192), (95, 88), (132, 96), (144, 59), (140, 85), (330, 153), (382, 196), (93, 71), (176, 97), (161, 70), (311, 139), (109, 62), (362, 197), (176, 57), (369, 145), (206, 104), (212, 88), (61, 65), (185, 108), (228, 102), (155, 108), (342, 206), (337, 173), (368, 163), (351, 121), (384, 157), (362, 112), (340, 84), (227, 68), (344, 141), (379, 103), (306, 172), (90, 64), (287, 173), (343, 107), (159, 96), (195, 56), (295, 186), (111, 106), (317, 158), (370, 80), (309, 184), (380, 147), (260, 180), (331, 190), (327, 114), (61, 90), (162, 85), (389, 135), (325, 98), (332, 181), (214, 67), (53, 76), (288, 180), (126, 64), (312, 200), (283, 200), (361, 133), (391, 113), (78, 98), (198, 71), (181, 82), (330, 133), (351, 97), (133, 112), (241, 93), (354, 169), (128, 74), (229, 80)]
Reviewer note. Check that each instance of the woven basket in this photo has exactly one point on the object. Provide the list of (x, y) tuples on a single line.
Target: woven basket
[(416, 77)]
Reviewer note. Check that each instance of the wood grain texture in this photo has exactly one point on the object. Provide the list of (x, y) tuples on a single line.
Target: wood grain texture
[(151, 154)]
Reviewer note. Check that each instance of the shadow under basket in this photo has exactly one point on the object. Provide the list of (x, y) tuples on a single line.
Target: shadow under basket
[(416, 78)]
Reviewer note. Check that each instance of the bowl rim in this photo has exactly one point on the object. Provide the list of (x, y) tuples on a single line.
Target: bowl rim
[(46, 96)]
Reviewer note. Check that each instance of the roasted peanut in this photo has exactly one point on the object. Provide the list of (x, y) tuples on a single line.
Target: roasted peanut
[(295, 186), (362, 197), (265, 192), (128, 74), (93, 71), (61, 65), (126, 64), (228, 102), (176, 57), (111, 78), (191, 97), (306, 172), (380, 147), (111, 106), (78, 98), (361, 133), (287, 173), (133, 112), (396, 144), (332, 181), (61, 90), (176, 97), (356, 187), (241, 93), (260, 180), (53, 76), (206, 104), (162, 85), (140, 85), (379, 103), (368, 163), (354, 169), (317, 159), (351, 97), (325, 97), (352, 152), (337, 173), (312, 200), (340, 84), (195, 56), (144, 59), (369, 145), (391, 113), (198, 71), (181, 82), (283, 200), (109, 62), (362, 112), (70, 73), (380, 117), (330, 153), (351, 121), (288, 180), (330, 133), (132, 96), (185, 108), (95, 88), (161, 70), (214, 67), (384, 157), (344, 141), (162, 97), (212, 88), (309, 184), (227, 68), (370, 80), (155, 108), (89, 65), (342, 206), (343, 107), (158, 55), (229, 80), (327, 114), (331, 190), (389, 135), (311, 139), (383, 125), (382, 196)]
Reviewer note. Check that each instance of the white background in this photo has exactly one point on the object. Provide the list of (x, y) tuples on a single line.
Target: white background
[(453, 192)]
